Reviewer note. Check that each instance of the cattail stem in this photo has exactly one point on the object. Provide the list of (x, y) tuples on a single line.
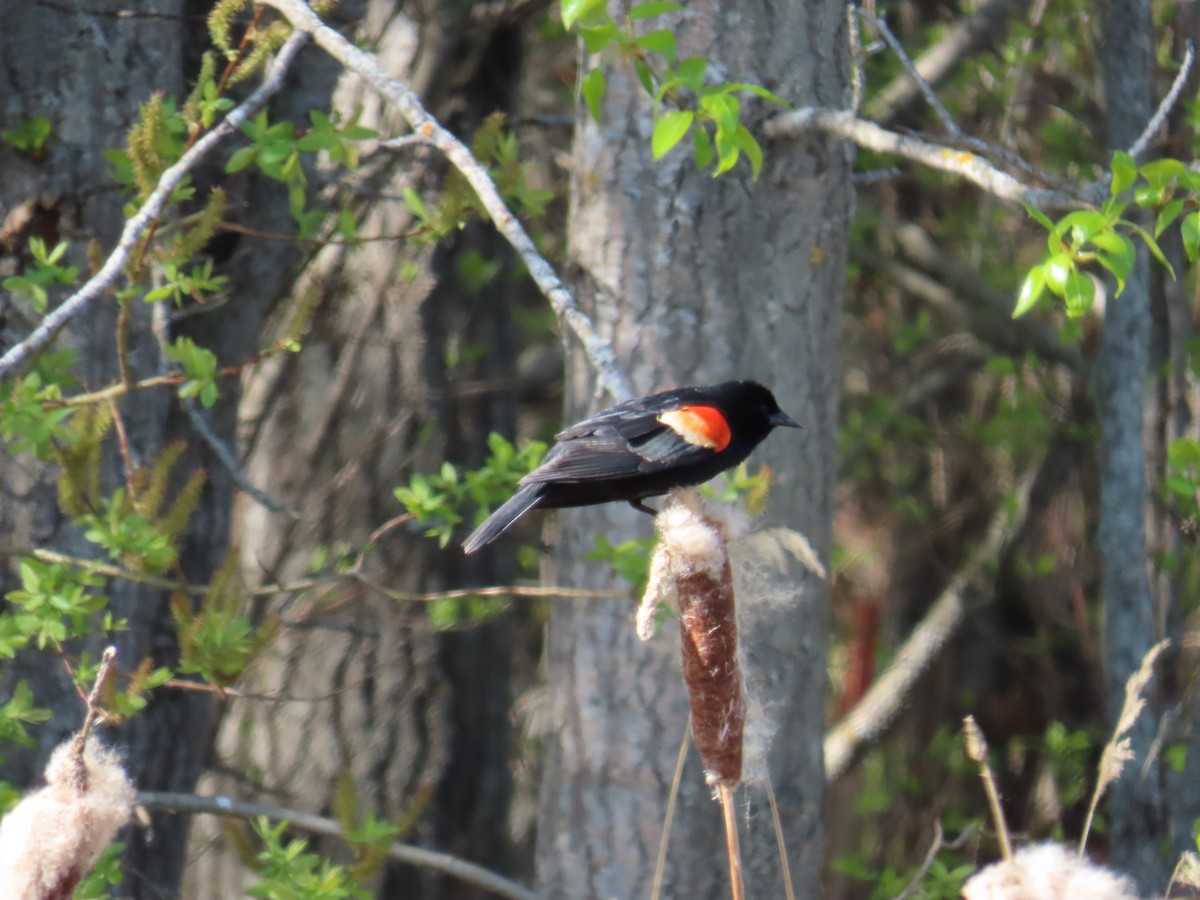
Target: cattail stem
[(732, 846)]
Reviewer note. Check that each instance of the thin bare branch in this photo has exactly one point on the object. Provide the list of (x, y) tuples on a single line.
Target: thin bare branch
[(597, 348), (967, 165), (319, 825), (881, 26), (962, 38), (22, 354), (1167, 104), (882, 704), (108, 570)]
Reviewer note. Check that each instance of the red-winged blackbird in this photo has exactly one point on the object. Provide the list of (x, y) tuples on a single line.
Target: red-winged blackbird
[(643, 448)]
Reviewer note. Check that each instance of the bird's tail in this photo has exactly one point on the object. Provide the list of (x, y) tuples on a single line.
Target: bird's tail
[(498, 522)]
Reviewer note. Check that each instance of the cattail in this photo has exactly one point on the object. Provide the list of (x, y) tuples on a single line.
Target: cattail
[(53, 837), (691, 566), (1047, 872)]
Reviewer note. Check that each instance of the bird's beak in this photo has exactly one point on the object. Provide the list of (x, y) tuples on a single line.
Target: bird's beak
[(784, 420)]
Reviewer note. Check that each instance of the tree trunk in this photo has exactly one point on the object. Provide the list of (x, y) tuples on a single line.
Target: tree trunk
[(697, 280), (1140, 823), (87, 72), (416, 721)]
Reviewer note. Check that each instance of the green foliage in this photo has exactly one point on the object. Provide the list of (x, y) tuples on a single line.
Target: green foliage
[(682, 100), (200, 365), (155, 142), (217, 641), (18, 712), (29, 137), (45, 273), (943, 880), (195, 283), (106, 873), (738, 485), (497, 149), (287, 872), (629, 559), (437, 501), (1166, 187), (54, 603), (277, 149), (450, 613), (127, 535), (30, 418)]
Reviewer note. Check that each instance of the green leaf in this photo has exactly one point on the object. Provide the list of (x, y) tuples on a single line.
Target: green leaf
[(748, 145), (241, 159), (1117, 254), (1031, 291), (702, 148), (758, 90), (415, 204), (1079, 294), (1040, 217), (1154, 248), (661, 41), (1189, 230), (652, 8), (691, 72), (1124, 171), (645, 76), (1057, 269), (1167, 215), (592, 88), (669, 131), (724, 110), (727, 152), (1162, 170), (597, 37), (1082, 224), (574, 10)]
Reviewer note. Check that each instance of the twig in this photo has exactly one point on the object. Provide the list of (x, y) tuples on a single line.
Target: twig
[(93, 700), (934, 849), (960, 293), (938, 61), (22, 353), (223, 454), (109, 570), (930, 97), (319, 825), (967, 165), (660, 863), (880, 706), (1167, 104), (857, 79), (226, 458), (785, 869), (597, 348)]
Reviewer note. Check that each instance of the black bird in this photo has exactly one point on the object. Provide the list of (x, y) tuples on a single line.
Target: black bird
[(643, 448)]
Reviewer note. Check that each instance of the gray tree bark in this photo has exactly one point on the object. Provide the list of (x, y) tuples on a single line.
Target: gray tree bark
[(697, 280), (417, 721), (87, 72), (1140, 823)]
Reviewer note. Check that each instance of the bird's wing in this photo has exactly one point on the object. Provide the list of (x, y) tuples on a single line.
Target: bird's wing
[(623, 444)]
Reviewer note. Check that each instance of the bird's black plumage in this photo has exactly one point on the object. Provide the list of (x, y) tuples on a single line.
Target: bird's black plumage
[(643, 448)]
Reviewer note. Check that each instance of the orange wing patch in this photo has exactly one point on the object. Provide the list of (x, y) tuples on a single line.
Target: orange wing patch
[(701, 426)]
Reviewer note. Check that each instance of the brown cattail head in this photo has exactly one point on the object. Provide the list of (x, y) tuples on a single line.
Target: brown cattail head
[(693, 565)]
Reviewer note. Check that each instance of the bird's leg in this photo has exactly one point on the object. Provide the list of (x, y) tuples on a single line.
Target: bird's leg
[(642, 507)]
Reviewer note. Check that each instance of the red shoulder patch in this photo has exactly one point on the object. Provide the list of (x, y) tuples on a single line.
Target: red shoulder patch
[(701, 426)]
